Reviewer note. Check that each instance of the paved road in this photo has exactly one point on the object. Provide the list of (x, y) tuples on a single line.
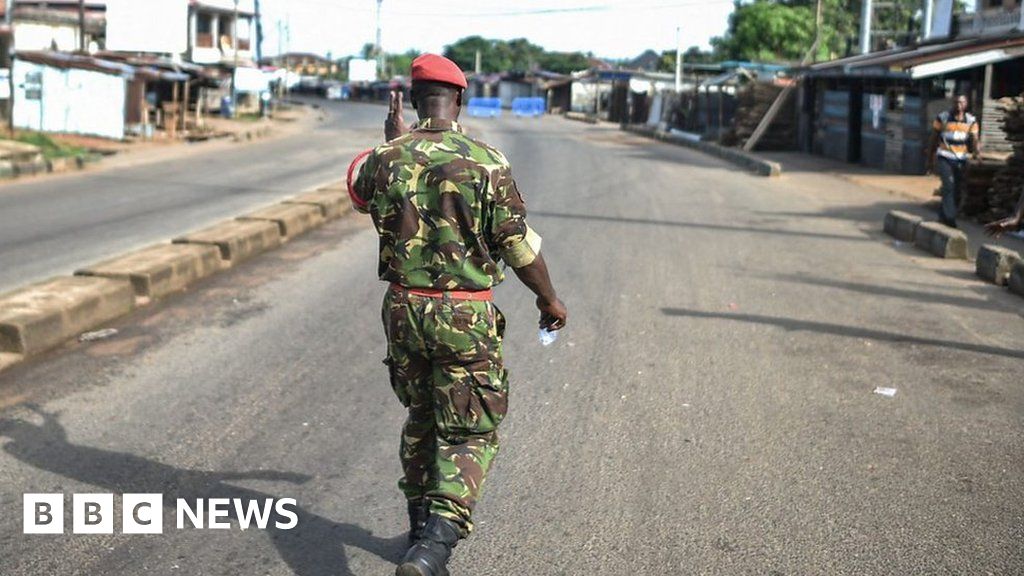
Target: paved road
[(51, 226), (709, 409)]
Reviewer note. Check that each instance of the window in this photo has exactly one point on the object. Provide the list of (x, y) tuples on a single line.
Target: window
[(204, 24)]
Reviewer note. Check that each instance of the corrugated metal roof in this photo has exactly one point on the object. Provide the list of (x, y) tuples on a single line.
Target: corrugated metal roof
[(68, 60), (112, 67), (907, 62)]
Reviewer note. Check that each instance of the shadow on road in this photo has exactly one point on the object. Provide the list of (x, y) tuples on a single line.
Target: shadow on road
[(842, 330), (700, 225), (315, 547), (922, 296)]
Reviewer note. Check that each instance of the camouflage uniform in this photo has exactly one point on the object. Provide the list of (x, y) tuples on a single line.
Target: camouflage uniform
[(447, 211)]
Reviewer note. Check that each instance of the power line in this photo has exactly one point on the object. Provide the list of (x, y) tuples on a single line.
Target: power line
[(527, 11)]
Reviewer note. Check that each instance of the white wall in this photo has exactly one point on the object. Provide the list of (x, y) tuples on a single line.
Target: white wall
[(37, 36), (251, 80), (248, 6), (73, 101), (152, 26)]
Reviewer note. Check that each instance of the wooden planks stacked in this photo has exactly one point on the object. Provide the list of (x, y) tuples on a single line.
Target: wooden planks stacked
[(993, 132), (752, 102), (1008, 182), (980, 175)]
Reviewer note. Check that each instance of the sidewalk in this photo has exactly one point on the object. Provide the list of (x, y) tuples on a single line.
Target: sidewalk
[(285, 124), (231, 132), (917, 191)]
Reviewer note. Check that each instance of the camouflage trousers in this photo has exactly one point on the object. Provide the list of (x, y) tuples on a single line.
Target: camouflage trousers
[(445, 363)]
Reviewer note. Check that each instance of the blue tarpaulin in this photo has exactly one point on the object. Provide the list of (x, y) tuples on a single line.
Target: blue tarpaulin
[(488, 107), (528, 106)]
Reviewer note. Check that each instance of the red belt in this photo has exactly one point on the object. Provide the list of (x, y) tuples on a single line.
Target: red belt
[(480, 295)]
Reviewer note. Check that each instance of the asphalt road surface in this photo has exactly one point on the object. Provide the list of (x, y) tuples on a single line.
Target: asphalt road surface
[(51, 226), (708, 410)]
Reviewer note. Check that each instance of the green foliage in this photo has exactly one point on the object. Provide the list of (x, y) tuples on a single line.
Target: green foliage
[(511, 55), (766, 31), (48, 146), (564, 62), (776, 30), (692, 55), (401, 64)]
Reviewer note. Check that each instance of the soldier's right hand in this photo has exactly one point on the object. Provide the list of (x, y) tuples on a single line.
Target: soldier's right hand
[(394, 125), (552, 313)]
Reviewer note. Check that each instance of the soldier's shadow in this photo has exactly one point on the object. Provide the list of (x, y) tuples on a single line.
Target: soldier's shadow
[(315, 547)]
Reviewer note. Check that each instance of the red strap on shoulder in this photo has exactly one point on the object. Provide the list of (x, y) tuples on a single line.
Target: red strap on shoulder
[(351, 171)]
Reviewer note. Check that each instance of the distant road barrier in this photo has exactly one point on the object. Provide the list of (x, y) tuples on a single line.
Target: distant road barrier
[(485, 107), (528, 106)]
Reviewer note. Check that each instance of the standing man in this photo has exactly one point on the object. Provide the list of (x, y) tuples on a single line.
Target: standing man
[(447, 211), (954, 135)]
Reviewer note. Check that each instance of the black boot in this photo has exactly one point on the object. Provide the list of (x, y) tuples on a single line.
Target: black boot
[(418, 513), (429, 555)]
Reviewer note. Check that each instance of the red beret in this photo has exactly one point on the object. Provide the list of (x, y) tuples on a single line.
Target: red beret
[(434, 68)]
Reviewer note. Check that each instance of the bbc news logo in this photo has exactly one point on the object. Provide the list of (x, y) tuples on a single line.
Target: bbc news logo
[(144, 513)]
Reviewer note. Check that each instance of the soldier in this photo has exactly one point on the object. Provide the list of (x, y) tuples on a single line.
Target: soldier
[(447, 211)]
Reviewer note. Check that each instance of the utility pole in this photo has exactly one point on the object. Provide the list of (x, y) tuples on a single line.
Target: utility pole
[(259, 34), (926, 26), (479, 58), (288, 49), (234, 70), (679, 63), (81, 26), (377, 47), (812, 55), (9, 19), (866, 14)]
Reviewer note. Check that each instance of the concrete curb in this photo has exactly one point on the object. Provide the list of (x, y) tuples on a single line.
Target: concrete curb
[(249, 135), (994, 263), (1016, 280), (21, 169), (581, 117), (30, 167), (332, 204), (941, 240), (237, 240), (41, 316), (901, 225), (292, 219), (160, 270), (736, 156)]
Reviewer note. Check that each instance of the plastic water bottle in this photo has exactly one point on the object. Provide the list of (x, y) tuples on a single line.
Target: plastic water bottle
[(547, 337)]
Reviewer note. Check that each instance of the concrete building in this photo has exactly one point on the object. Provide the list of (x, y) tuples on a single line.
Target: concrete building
[(876, 109), (216, 36)]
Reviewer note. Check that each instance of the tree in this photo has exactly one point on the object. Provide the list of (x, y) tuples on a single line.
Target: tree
[(400, 64), (693, 55), (511, 55), (784, 29), (766, 31), (564, 62), (463, 52)]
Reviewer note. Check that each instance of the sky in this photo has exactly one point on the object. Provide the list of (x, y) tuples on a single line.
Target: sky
[(609, 28)]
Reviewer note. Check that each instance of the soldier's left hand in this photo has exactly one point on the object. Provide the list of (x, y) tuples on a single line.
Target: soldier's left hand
[(553, 313)]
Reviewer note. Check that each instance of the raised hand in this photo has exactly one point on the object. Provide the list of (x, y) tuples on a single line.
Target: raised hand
[(394, 125)]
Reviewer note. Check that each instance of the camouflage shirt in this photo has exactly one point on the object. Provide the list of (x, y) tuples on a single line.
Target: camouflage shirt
[(446, 209)]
